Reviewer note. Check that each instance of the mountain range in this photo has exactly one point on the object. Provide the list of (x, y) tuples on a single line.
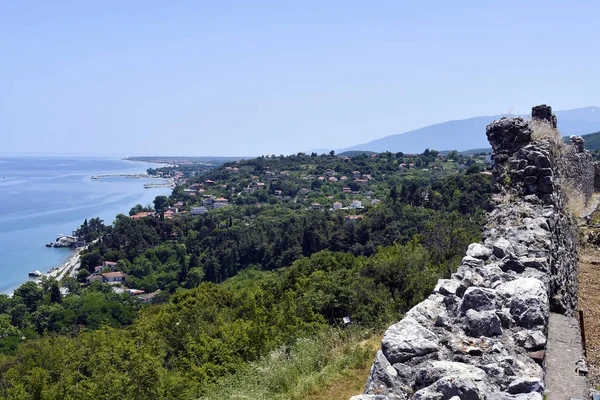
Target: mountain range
[(469, 133)]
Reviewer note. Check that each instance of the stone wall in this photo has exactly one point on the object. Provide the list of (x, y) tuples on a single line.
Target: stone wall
[(482, 334), (578, 168)]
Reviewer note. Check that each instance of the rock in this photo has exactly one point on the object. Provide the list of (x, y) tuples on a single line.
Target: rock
[(530, 340), (477, 250), (530, 170), (446, 287), (578, 143), (436, 370), (405, 373), (448, 387), (505, 317), (493, 370), (534, 262), (408, 339), (443, 320), (529, 312), (526, 385), (502, 248), (546, 172), (541, 161), (382, 370), (370, 397), (384, 378), (529, 287), (478, 299), (544, 113), (538, 356), (521, 396), (426, 311), (482, 323)]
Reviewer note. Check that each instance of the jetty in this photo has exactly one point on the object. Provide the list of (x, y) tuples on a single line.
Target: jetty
[(168, 182), (128, 176)]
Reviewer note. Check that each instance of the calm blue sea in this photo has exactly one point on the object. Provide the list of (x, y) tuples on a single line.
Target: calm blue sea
[(41, 197)]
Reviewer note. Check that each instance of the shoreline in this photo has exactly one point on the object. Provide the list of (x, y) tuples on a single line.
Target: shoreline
[(72, 262), (69, 265), (163, 164)]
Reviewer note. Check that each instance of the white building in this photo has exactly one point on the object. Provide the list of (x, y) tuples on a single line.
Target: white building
[(199, 210)]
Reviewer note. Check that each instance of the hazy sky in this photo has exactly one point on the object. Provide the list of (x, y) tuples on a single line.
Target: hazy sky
[(255, 77)]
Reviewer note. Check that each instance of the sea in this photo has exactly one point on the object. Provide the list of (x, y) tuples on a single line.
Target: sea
[(42, 197)]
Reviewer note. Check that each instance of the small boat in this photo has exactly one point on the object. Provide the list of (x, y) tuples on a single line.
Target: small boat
[(35, 274)]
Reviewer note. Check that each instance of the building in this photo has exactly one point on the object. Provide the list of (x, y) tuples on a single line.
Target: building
[(111, 265), (199, 210), (356, 204), (337, 205), (315, 206), (356, 174), (110, 277), (93, 278), (329, 172), (143, 214), (347, 190), (168, 214), (303, 191), (361, 181), (353, 218), (332, 179), (278, 193), (148, 297), (220, 202)]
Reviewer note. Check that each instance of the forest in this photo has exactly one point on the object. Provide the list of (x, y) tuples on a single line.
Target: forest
[(265, 273)]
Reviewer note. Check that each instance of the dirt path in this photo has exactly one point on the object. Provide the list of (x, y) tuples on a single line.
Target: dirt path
[(589, 302)]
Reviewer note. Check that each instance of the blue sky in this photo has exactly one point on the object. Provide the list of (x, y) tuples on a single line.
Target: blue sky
[(256, 77)]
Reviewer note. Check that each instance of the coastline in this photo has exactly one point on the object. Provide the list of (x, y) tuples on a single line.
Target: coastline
[(162, 164), (72, 263), (23, 233)]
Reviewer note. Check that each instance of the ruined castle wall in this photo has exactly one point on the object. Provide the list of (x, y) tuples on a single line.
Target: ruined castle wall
[(482, 334), (577, 167)]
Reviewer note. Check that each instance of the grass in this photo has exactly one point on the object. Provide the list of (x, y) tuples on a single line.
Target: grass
[(576, 203), (543, 130), (332, 366)]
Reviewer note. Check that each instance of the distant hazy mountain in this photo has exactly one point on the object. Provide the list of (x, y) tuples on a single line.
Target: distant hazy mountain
[(469, 133)]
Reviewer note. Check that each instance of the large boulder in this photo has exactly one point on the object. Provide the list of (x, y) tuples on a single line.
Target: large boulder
[(482, 323), (531, 340), (478, 299), (477, 250), (408, 339), (527, 299), (526, 385), (448, 387), (427, 311), (384, 379), (431, 372), (446, 287)]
